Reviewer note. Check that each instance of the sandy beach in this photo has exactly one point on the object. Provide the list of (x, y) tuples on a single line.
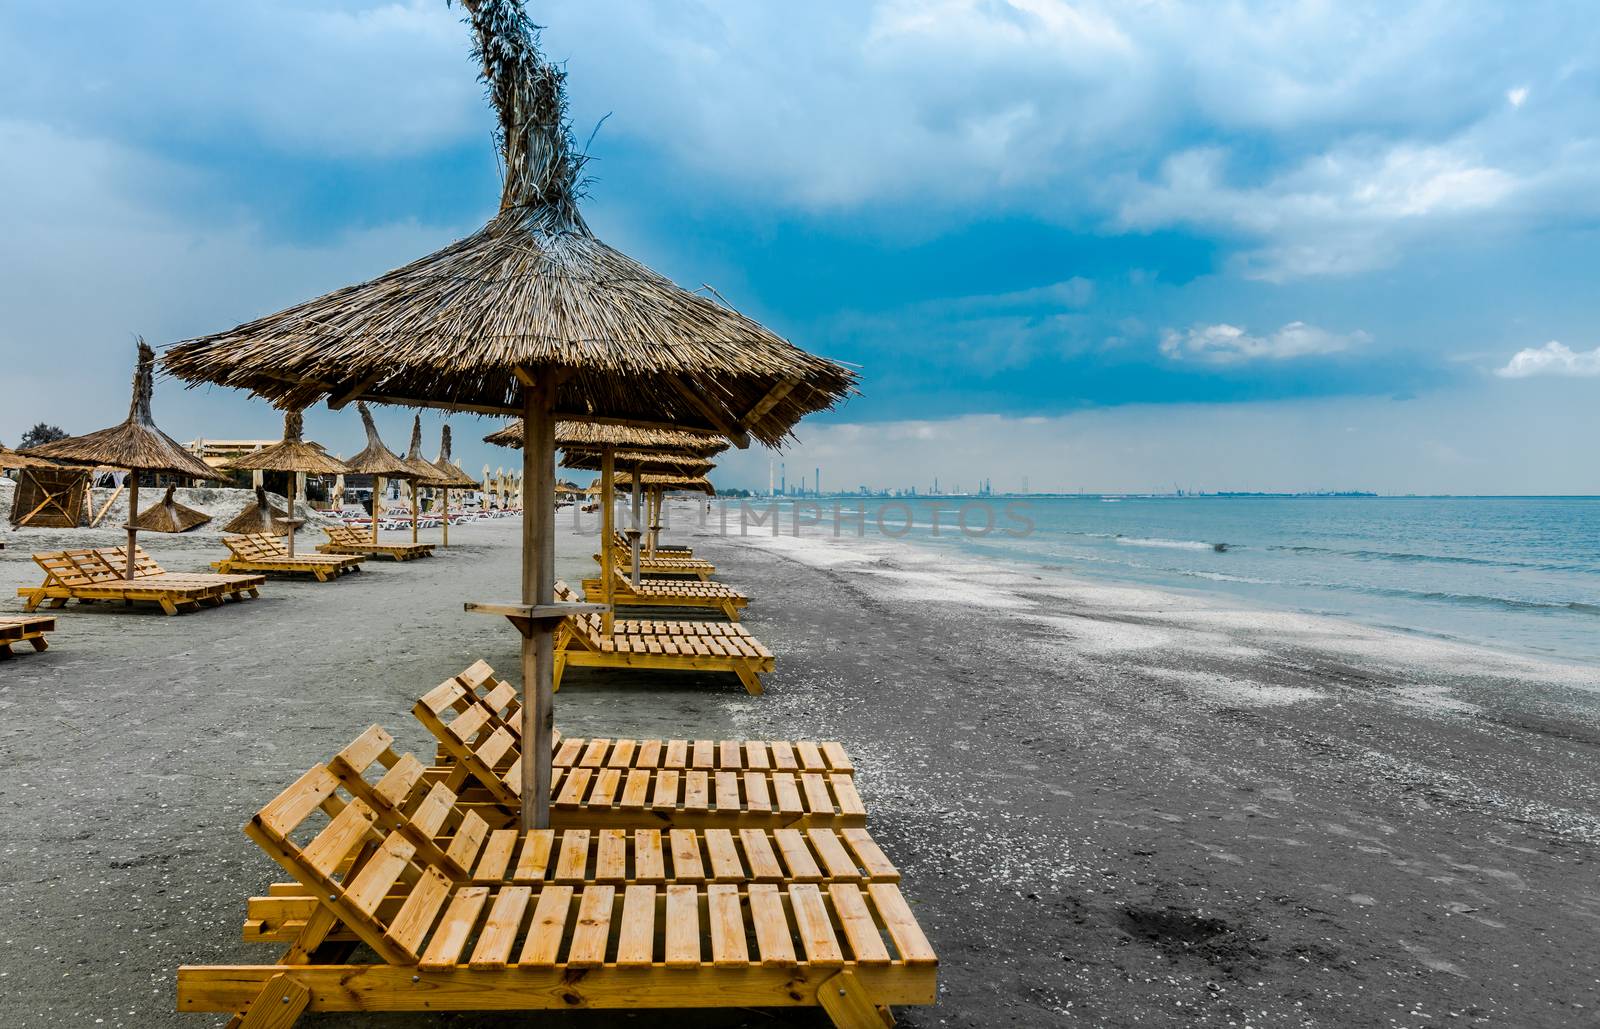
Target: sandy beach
[(1112, 806)]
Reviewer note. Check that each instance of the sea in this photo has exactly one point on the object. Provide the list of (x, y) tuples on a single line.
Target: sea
[(1513, 573)]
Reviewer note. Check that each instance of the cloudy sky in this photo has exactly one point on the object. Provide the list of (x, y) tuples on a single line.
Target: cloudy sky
[(1105, 246)]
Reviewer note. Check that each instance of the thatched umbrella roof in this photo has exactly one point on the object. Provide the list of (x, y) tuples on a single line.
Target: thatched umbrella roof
[(171, 516), (291, 454), (624, 481), (19, 460), (589, 435), (530, 316), (451, 475), (686, 466), (136, 444), (377, 459), (532, 289), (261, 516)]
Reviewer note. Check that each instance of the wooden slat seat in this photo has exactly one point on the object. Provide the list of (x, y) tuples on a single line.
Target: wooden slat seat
[(695, 593), (659, 644), (660, 563), (89, 576), (619, 783), (345, 539), (446, 944), (663, 550), (28, 629), (263, 552)]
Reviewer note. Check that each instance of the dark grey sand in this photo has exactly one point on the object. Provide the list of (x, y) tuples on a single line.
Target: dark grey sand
[(1111, 806)]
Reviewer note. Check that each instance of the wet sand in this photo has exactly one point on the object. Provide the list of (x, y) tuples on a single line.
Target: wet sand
[(1112, 806)]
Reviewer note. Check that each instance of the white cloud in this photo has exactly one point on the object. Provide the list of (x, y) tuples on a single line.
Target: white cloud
[(960, 108), (1552, 359), (1229, 344), (1336, 213)]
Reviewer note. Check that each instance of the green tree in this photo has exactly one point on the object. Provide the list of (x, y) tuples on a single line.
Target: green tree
[(39, 435)]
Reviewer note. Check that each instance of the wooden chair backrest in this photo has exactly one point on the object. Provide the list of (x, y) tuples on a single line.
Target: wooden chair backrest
[(589, 626), (336, 845), (395, 787), (470, 733), (256, 546), (95, 567)]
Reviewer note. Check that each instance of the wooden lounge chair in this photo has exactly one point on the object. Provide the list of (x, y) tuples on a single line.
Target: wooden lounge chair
[(261, 552), (344, 539), (624, 937), (457, 840), (621, 541), (30, 629), (475, 718), (664, 645), (90, 576), (661, 564), (695, 593)]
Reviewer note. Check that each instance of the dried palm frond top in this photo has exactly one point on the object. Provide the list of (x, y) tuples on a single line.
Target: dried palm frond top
[(592, 436), (685, 465), (377, 459), (533, 289), (292, 454), (450, 473), (422, 473), (136, 444)]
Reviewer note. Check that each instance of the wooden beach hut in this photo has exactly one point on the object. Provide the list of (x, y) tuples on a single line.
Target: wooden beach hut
[(136, 445), (48, 495), (534, 315)]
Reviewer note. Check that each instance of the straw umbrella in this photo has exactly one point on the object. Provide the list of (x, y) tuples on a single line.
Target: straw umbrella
[(639, 462), (533, 316), (136, 445), (588, 438), (422, 473), (291, 454), (377, 461), (171, 516), (451, 475)]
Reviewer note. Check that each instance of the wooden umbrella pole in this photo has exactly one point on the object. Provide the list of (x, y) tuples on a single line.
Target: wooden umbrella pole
[(446, 516), (133, 514), (538, 588), (377, 491), (636, 535), (607, 529), (655, 533), (413, 510)]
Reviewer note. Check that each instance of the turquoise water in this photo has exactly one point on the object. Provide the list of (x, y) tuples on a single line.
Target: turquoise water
[(1518, 573)]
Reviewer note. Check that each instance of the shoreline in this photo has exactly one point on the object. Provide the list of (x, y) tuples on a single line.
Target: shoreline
[(1366, 580)]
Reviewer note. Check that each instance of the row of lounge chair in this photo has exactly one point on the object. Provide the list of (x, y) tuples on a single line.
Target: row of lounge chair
[(699, 900), (100, 575)]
